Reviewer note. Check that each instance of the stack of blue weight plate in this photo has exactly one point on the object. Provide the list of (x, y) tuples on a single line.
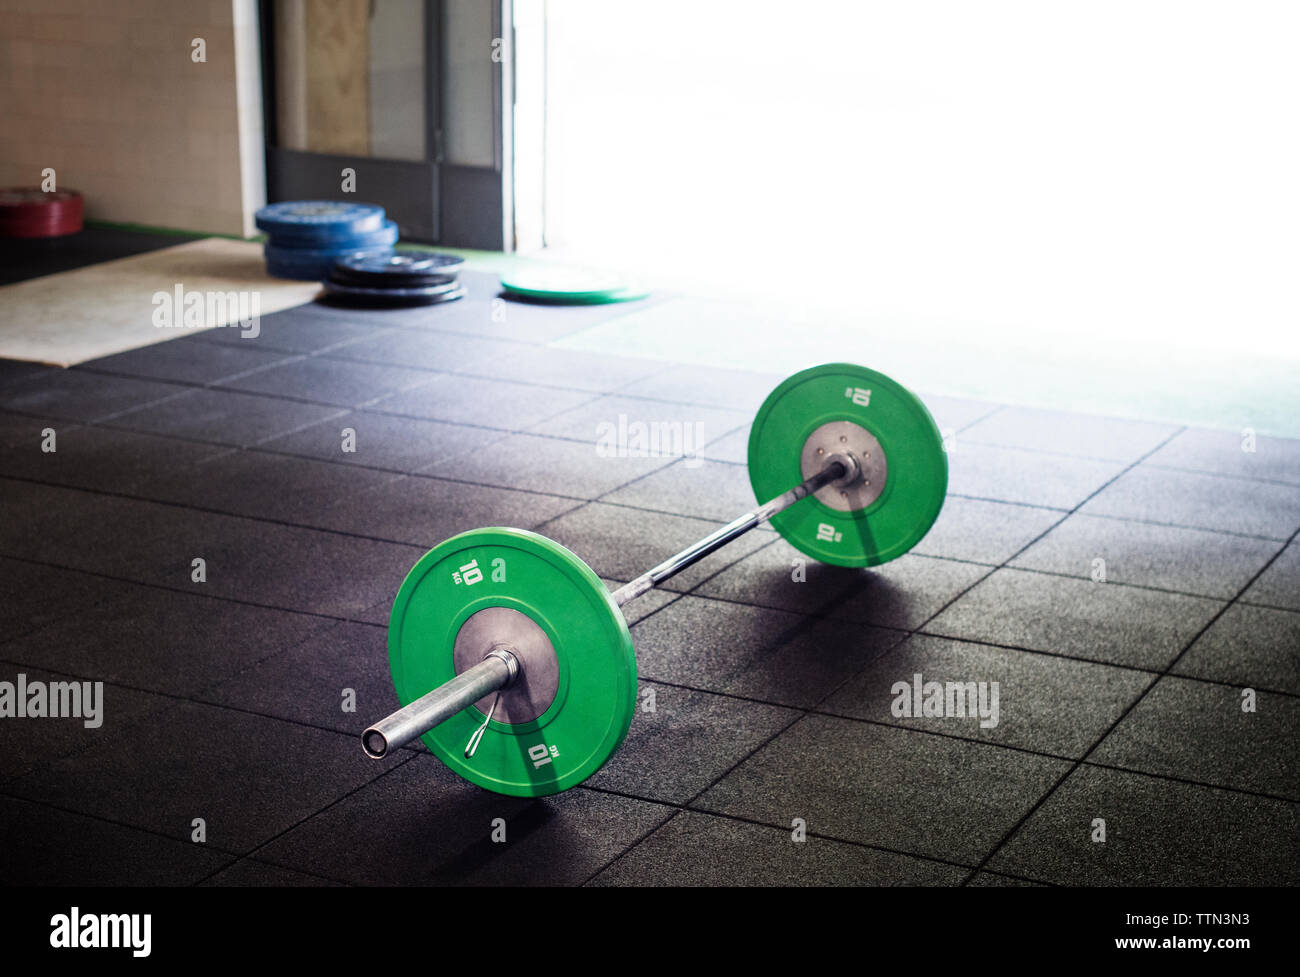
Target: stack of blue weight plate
[(306, 237)]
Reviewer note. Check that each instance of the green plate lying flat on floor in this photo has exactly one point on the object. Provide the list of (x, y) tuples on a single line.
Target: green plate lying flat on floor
[(574, 701), (569, 286), (841, 402)]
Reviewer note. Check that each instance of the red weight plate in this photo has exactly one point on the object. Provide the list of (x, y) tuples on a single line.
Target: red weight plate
[(56, 217), (27, 212), (40, 227), (29, 200), (51, 215)]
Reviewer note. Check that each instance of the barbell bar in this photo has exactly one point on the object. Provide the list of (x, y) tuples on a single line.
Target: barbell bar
[(500, 667), (514, 660)]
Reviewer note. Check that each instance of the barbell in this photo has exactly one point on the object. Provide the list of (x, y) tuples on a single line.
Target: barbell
[(514, 662)]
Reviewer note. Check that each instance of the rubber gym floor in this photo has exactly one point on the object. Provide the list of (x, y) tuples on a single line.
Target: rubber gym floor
[(1120, 701)]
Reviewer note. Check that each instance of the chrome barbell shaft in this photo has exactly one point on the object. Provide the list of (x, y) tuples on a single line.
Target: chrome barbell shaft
[(675, 564), (494, 672)]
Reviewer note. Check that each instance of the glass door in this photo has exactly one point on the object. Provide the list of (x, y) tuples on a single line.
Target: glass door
[(394, 102)]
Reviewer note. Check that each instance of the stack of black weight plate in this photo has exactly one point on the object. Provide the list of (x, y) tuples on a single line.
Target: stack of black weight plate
[(411, 278)]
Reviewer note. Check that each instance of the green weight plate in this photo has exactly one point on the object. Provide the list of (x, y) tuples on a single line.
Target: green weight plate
[(595, 693), (559, 284), (629, 294), (914, 489)]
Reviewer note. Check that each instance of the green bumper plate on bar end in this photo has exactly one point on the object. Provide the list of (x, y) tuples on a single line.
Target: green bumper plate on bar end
[(596, 694), (917, 465)]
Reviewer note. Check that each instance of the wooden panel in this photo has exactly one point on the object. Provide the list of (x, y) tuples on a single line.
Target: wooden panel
[(337, 48)]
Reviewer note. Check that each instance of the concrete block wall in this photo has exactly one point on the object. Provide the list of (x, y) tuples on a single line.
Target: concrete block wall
[(108, 95)]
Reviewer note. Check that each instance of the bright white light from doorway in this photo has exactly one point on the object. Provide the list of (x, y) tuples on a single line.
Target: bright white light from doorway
[(1119, 173)]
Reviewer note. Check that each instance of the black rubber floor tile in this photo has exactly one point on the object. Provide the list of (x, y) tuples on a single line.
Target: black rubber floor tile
[(732, 448), (47, 523), (691, 487), (426, 350), (1248, 646), (955, 414), (24, 258), (470, 310), (248, 777), (105, 459), (224, 417), (688, 741), (739, 390), (400, 444), (991, 880), (187, 361), (160, 640), (298, 569), (306, 682), (425, 511), (421, 824), (645, 427), (1105, 622), (705, 643), (778, 575), (1194, 561), (1279, 585), (76, 395), (1198, 731), (32, 742), (36, 595), (488, 403), (570, 368), (1045, 704), (328, 381), (24, 433), (381, 612), (754, 652), (250, 873), (299, 330), (501, 318), (622, 543), (246, 560), (16, 371), (44, 846), (263, 485), (645, 605), (701, 849), (1158, 832), (903, 593), (1028, 477), (880, 785), (1227, 453), (805, 670), (1215, 502), (984, 532), (541, 464), (486, 313), (1062, 432)]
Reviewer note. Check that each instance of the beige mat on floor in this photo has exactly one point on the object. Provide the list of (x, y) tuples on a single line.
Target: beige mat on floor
[(74, 316)]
